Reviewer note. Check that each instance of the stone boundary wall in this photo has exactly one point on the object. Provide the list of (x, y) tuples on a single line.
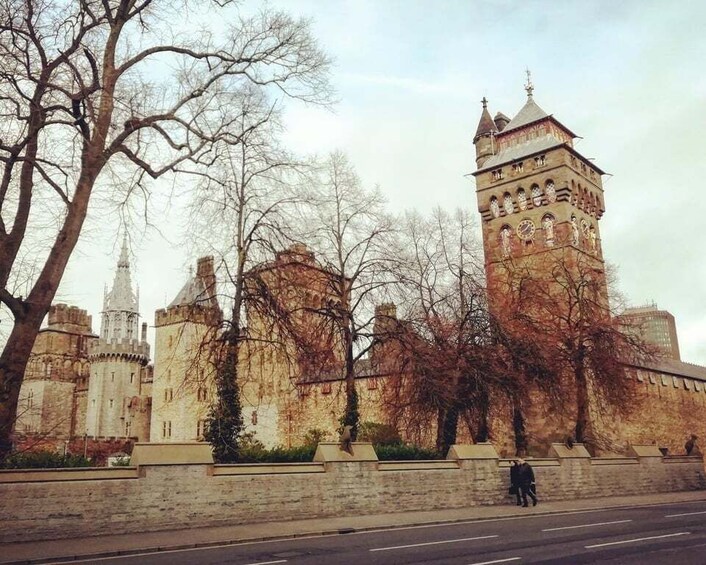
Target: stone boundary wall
[(49, 504)]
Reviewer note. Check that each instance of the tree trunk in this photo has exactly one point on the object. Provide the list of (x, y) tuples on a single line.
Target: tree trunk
[(518, 426), (483, 427), (449, 429), (581, 405), (12, 367)]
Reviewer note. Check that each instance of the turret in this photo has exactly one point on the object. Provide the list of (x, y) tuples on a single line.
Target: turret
[(501, 120), (483, 140)]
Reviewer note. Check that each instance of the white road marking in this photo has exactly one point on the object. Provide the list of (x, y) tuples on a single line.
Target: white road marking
[(431, 543), (636, 540), (685, 514), (586, 525), (268, 562), (498, 561)]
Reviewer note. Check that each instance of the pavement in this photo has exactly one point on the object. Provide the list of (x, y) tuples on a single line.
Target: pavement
[(47, 551)]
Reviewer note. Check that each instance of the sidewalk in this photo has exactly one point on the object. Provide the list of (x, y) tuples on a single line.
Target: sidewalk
[(107, 546)]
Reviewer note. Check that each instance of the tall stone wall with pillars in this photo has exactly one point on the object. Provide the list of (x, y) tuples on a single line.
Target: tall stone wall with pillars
[(177, 486)]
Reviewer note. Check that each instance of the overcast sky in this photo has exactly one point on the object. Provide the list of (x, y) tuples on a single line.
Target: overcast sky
[(628, 77)]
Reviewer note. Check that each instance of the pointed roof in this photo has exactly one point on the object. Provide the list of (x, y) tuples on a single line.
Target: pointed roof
[(193, 292), (529, 113), (486, 124)]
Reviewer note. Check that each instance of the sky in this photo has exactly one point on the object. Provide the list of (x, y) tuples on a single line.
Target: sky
[(627, 77)]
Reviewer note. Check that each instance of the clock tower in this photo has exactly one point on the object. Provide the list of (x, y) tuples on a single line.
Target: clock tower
[(540, 200)]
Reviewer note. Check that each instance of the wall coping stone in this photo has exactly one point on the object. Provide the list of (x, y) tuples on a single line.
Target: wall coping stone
[(645, 451), (682, 458), (186, 453), (484, 450), (66, 474), (561, 451), (267, 469), (542, 462), (421, 465), (615, 461), (328, 451)]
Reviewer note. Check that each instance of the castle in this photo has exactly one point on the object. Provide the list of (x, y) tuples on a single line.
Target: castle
[(536, 196)]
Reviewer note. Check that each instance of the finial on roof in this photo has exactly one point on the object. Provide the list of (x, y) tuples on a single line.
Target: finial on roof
[(529, 87), (124, 260), (484, 102)]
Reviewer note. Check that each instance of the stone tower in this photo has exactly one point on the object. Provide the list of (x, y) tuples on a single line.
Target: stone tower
[(186, 332), (118, 403), (53, 394), (537, 196)]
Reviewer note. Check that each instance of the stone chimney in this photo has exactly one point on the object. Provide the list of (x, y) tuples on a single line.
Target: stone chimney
[(205, 271)]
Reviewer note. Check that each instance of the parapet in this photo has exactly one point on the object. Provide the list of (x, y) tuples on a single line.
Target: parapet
[(332, 451), (69, 318), (195, 313), (132, 349)]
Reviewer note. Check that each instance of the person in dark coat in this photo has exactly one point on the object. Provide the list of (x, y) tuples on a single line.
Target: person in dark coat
[(525, 475), (515, 481)]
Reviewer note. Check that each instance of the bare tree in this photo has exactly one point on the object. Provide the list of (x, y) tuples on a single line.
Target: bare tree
[(245, 211), (114, 86), (561, 300), (352, 235), (448, 345)]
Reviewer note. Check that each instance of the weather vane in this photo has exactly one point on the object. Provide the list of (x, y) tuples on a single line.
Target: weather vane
[(529, 87)]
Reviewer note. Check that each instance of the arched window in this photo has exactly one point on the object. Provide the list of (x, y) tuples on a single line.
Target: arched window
[(548, 227), (507, 204), (494, 207), (522, 199), (550, 191), (536, 195)]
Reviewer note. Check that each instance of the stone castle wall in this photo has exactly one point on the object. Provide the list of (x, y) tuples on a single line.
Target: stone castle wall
[(183, 385), (167, 496)]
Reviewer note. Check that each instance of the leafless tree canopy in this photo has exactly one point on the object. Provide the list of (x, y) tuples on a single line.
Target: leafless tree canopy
[(139, 89), (448, 344)]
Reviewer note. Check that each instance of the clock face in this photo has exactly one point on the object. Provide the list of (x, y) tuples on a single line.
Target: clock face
[(525, 229)]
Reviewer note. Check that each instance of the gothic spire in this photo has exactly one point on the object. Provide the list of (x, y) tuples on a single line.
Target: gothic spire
[(120, 305)]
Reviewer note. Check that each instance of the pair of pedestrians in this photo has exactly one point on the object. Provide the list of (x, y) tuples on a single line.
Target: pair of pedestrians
[(522, 482)]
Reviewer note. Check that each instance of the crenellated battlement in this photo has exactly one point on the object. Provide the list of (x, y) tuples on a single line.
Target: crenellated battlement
[(131, 349), (181, 313), (70, 319)]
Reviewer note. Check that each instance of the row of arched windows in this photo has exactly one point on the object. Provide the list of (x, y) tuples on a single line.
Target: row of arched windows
[(585, 200), (522, 199), (583, 234), (46, 368)]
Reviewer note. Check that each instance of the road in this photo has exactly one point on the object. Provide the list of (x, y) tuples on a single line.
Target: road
[(673, 534)]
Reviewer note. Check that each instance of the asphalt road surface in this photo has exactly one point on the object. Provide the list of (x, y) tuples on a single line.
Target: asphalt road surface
[(673, 534)]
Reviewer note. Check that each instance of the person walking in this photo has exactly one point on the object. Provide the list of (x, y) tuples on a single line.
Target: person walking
[(515, 481), (525, 475)]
